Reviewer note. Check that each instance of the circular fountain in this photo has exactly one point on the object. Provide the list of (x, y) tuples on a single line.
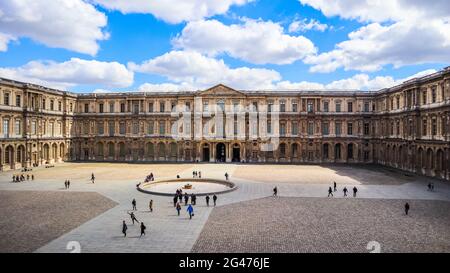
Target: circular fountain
[(197, 186)]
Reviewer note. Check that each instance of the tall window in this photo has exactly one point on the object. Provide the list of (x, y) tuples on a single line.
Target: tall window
[(424, 127), (101, 128), (433, 95), (294, 128), (188, 106), (294, 106), (6, 99), (150, 107), (338, 107), (366, 107), (434, 127), (424, 97), (349, 128), (338, 126), (122, 107), (136, 108), (326, 106), (6, 128), (162, 127), (17, 128), (325, 128), (59, 106), (111, 107), (310, 107), (111, 128), (282, 129), (205, 106), (162, 107), (52, 129), (33, 127), (135, 128), (366, 129), (122, 128), (71, 107), (100, 106), (18, 100), (282, 106), (269, 127), (44, 104), (270, 106), (350, 107), (310, 128), (86, 108), (151, 127), (52, 105)]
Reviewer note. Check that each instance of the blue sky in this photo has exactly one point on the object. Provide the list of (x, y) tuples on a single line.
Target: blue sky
[(98, 45)]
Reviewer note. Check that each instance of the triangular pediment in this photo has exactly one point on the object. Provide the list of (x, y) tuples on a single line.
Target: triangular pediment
[(221, 90)]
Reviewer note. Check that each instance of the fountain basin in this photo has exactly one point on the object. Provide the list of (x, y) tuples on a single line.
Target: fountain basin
[(199, 186)]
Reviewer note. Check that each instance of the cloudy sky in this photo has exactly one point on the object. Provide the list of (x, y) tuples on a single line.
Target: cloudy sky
[(121, 45)]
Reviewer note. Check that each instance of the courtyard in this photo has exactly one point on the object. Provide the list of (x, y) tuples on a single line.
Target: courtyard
[(42, 216)]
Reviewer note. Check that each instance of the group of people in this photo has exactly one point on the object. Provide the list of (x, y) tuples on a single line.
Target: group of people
[(345, 190), (67, 184), (430, 186), (149, 178), (21, 177), (196, 174)]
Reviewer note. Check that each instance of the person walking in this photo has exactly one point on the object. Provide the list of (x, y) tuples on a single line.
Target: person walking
[(150, 205), (32, 177), (345, 191), (335, 186), (355, 190), (190, 210), (406, 208), (143, 227), (199, 174), (65, 184), (215, 199), (226, 176), (92, 178), (180, 197), (133, 218), (193, 199), (175, 199), (186, 198), (207, 200), (330, 192), (178, 207), (133, 203), (275, 191), (124, 229)]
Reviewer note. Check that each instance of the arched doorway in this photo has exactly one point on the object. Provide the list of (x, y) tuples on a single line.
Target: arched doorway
[(46, 153), (221, 152), (20, 158), (206, 152), (9, 156), (236, 153), (337, 151)]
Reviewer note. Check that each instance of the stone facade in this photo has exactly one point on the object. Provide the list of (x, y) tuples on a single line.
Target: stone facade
[(406, 127)]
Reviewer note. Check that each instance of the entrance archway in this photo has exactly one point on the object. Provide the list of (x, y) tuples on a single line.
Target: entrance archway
[(236, 153), (221, 152), (206, 153)]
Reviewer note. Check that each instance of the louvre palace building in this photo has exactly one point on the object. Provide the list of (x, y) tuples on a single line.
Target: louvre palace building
[(405, 127)]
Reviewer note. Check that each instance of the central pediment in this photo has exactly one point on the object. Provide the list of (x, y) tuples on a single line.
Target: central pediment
[(221, 90)]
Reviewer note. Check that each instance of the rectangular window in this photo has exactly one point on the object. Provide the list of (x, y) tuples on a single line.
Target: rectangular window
[(282, 106), (59, 106), (325, 128), (162, 127), (18, 128), (111, 128), (326, 106), (18, 100), (366, 129), (44, 104), (151, 128), (433, 95), (162, 107), (235, 127), (52, 105), (398, 102), (150, 107), (188, 106), (349, 128), (86, 108), (100, 106), (294, 128), (294, 106), (350, 107), (52, 129), (6, 128), (71, 107), (136, 128), (173, 106), (270, 107), (136, 108), (122, 128), (100, 128), (310, 106), (424, 97), (338, 126), (282, 129), (434, 127), (205, 106), (269, 127), (311, 128), (6, 99), (255, 106), (122, 107), (338, 107), (111, 107), (424, 127), (33, 127), (366, 107)]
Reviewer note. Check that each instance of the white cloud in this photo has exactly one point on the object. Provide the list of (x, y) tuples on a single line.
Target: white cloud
[(400, 32), (71, 73), (200, 71), (70, 24), (166, 87), (305, 25), (254, 41), (172, 11)]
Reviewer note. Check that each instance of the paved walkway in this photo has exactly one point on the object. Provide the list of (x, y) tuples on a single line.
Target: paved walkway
[(166, 232)]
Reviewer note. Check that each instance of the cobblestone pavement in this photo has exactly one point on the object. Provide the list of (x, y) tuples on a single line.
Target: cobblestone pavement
[(31, 219), (167, 232), (284, 224)]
